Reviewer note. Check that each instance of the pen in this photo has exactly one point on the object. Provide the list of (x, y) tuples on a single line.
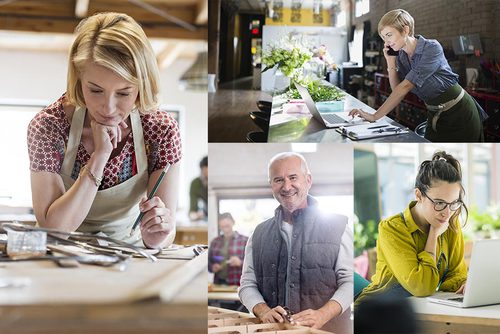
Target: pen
[(151, 194), (377, 127), (387, 130)]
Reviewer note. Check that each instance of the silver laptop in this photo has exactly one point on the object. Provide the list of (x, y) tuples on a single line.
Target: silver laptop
[(330, 120), (482, 279)]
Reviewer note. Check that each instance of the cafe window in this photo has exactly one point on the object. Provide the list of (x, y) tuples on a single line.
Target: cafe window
[(15, 186), (249, 212), (404, 160)]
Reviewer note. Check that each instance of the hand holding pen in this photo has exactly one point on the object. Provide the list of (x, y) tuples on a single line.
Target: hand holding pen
[(154, 214)]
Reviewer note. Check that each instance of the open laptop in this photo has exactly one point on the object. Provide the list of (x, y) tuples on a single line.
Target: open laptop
[(330, 120), (482, 279)]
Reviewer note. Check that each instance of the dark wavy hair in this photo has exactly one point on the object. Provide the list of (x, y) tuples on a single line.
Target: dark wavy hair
[(442, 167)]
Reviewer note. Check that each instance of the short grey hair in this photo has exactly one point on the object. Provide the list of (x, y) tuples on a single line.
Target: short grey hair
[(286, 155)]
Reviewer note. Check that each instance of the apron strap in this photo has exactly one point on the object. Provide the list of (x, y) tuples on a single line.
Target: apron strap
[(139, 144), (75, 135)]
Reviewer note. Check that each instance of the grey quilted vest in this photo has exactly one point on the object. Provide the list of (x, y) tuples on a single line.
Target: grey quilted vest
[(316, 240)]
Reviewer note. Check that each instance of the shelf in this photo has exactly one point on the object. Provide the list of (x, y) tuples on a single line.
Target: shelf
[(371, 53)]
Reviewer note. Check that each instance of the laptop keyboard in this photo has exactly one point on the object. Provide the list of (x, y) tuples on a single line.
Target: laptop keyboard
[(332, 118), (458, 299)]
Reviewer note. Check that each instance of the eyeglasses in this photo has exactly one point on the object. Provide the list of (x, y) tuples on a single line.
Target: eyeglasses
[(441, 205)]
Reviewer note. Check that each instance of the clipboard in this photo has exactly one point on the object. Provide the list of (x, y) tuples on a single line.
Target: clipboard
[(371, 130)]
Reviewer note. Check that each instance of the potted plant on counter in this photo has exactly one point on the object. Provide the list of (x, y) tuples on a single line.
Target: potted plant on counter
[(328, 98)]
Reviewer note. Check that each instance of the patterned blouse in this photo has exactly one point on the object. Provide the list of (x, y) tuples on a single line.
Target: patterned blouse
[(48, 134)]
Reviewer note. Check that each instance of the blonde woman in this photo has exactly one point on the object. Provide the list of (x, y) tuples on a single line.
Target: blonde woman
[(97, 150), (418, 65)]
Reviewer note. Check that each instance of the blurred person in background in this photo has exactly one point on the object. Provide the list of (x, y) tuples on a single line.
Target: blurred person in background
[(198, 193), (226, 252)]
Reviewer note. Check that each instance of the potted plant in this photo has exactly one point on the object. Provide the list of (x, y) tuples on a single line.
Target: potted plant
[(328, 98)]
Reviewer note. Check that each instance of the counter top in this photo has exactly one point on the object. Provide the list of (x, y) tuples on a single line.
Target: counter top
[(304, 128)]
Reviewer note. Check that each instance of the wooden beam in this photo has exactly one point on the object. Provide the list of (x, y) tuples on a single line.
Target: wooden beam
[(81, 8), (68, 25), (169, 54), (66, 9), (202, 12)]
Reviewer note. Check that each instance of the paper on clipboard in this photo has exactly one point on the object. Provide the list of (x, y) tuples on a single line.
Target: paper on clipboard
[(371, 130)]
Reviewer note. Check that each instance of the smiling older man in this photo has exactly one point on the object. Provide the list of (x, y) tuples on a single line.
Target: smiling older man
[(300, 259)]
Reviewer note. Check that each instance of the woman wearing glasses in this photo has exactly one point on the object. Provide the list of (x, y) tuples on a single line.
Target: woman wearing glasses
[(421, 250)]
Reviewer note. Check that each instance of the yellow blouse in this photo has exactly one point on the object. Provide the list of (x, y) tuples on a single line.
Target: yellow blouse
[(401, 258)]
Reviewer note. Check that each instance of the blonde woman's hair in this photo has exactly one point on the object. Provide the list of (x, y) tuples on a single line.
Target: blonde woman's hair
[(117, 42), (398, 19)]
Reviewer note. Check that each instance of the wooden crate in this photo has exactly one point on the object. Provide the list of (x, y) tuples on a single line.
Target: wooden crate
[(222, 321)]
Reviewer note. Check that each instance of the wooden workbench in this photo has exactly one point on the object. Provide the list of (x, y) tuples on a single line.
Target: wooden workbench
[(167, 296)]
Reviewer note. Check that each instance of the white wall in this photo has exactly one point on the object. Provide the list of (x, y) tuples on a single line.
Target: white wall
[(42, 75)]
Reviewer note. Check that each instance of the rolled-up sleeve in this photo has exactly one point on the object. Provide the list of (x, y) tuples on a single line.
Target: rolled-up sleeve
[(428, 64), (249, 292), (344, 271)]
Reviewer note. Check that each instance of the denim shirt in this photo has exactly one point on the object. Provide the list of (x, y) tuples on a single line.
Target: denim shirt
[(428, 69)]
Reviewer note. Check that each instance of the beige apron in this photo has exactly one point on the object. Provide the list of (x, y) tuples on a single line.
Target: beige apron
[(115, 209)]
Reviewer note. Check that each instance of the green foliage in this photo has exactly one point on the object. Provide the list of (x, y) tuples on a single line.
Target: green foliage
[(486, 221), (365, 236), (287, 60), (318, 92)]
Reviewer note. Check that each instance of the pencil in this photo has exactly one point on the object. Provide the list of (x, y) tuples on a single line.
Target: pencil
[(151, 194)]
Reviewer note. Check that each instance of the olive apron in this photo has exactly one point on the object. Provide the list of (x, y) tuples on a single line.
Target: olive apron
[(115, 209), (461, 123)]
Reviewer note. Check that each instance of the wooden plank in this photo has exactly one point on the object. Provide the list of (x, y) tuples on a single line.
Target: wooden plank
[(20, 23), (185, 13), (62, 8), (148, 317), (201, 12)]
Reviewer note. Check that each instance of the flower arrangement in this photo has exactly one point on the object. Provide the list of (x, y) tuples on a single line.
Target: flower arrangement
[(289, 54)]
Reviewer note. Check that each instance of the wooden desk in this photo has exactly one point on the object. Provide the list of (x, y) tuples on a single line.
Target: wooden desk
[(442, 319), (168, 296), (192, 234), (304, 128)]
